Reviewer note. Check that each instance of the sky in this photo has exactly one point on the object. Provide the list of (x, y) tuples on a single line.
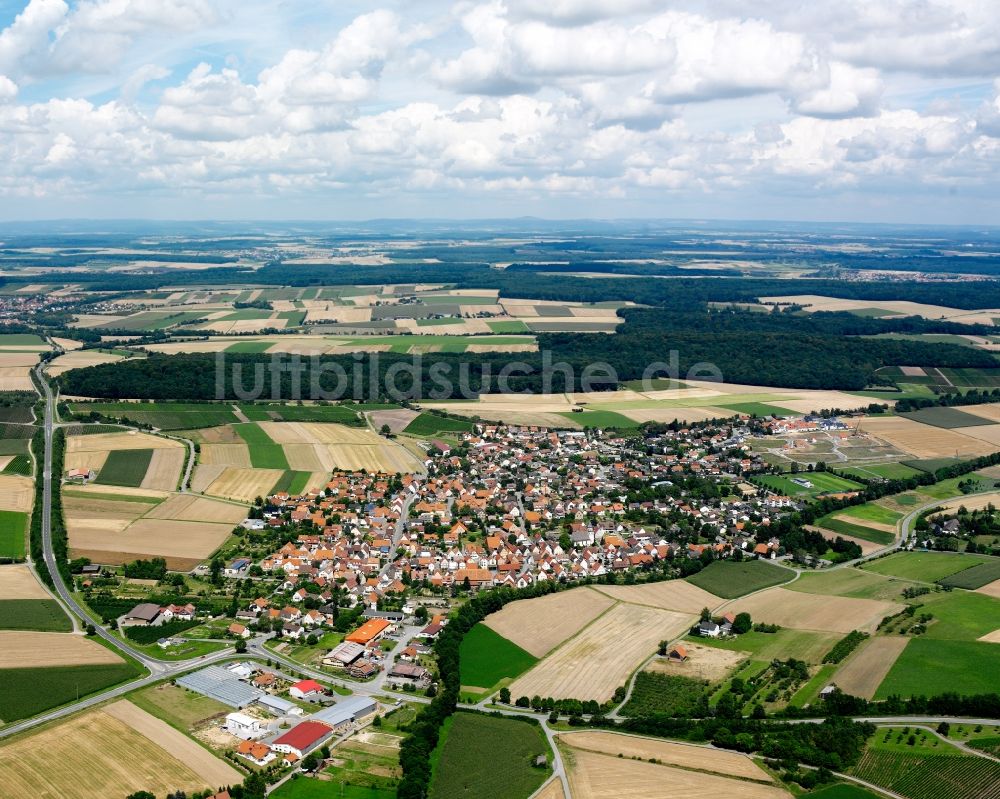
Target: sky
[(852, 110)]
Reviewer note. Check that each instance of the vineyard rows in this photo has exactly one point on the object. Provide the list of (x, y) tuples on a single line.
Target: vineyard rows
[(931, 776)]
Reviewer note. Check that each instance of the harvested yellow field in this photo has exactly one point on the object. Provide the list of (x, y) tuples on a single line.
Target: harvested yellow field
[(864, 671), (11, 359), (16, 378), (305, 458), (989, 433), (152, 495), (17, 582), (236, 454), (105, 442), (67, 343), (551, 790), (690, 756), (990, 589), (182, 544), (29, 649), (602, 655), (191, 508), (110, 753), (991, 412), (595, 776), (539, 625), (667, 415), (164, 470), (244, 485), (204, 475), (977, 502), (703, 663), (991, 638), (78, 359), (85, 459), (15, 493), (813, 611), (814, 302), (679, 595), (924, 441)]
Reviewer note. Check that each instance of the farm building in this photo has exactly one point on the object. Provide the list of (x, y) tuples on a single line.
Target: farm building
[(141, 615), (306, 688), (220, 684), (371, 630), (349, 711), (678, 653), (243, 726), (344, 654), (409, 672), (302, 738), (279, 706)]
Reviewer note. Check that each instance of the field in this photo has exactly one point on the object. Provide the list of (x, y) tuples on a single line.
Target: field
[(927, 567), (801, 611), (15, 370), (15, 493), (729, 579), (928, 774), (428, 424), (864, 671), (678, 595), (128, 459), (806, 645), (976, 576), (21, 649), (539, 625), (17, 582), (45, 615), (842, 790), (948, 418), (116, 528), (264, 452), (669, 753), (79, 359), (177, 706), (21, 698), (601, 776), (961, 615), (667, 694), (162, 415), (926, 441), (601, 657), (851, 582), (487, 657), (300, 787), (508, 746), (821, 483), (109, 753), (13, 526), (847, 524), (928, 667)]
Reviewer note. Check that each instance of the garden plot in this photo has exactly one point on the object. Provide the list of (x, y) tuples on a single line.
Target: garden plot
[(539, 625), (801, 611), (592, 664), (22, 649)]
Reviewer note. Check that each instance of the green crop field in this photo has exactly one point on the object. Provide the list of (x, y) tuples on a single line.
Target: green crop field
[(19, 464), (45, 615), (961, 615), (928, 667), (428, 424), (602, 419), (842, 790), (309, 788), (13, 525), (448, 320), (486, 658), (930, 776), (755, 409), (125, 467), (729, 579), (508, 326), (164, 415), (786, 643), (21, 340), (250, 346), (483, 757), (890, 471), (948, 418), (851, 582), (14, 446), (820, 483), (293, 482), (928, 567), (666, 694), (873, 513), (341, 414), (21, 697), (855, 530), (264, 453), (976, 576)]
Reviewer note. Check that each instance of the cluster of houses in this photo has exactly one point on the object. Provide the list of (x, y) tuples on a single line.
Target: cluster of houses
[(510, 506)]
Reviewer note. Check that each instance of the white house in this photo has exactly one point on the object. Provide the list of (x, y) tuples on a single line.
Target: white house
[(709, 629), (243, 726)]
